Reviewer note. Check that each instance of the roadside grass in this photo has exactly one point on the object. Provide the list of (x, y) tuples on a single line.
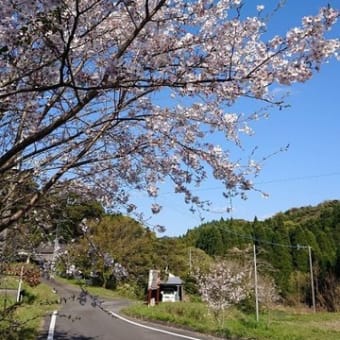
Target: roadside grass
[(23, 320), (283, 324), (8, 282), (122, 292), (96, 291), (6, 301), (186, 314), (102, 292)]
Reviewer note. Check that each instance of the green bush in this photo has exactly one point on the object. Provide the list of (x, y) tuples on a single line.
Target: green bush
[(127, 290), (247, 305), (190, 285)]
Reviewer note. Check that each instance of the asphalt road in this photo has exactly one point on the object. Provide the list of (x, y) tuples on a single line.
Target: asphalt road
[(82, 317)]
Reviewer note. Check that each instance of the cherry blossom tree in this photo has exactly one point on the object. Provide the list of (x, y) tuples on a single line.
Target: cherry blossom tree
[(109, 96), (230, 282), (225, 284)]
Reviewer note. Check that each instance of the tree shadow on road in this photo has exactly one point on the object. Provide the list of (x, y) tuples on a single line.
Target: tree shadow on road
[(68, 336)]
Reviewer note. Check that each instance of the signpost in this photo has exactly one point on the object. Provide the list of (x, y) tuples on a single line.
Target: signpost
[(153, 286)]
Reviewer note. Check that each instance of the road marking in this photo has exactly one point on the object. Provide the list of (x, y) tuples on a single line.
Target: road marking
[(52, 325), (152, 328)]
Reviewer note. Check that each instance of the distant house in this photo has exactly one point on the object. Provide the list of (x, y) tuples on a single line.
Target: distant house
[(172, 289), (44, 253)]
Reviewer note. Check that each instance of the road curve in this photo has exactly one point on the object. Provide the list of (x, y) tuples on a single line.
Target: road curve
[(83, 317)]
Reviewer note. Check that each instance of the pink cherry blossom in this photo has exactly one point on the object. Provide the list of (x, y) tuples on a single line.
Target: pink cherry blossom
[(113, 96)]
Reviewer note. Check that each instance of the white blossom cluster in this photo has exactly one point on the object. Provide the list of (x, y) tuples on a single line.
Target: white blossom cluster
[(226, 284), (81, 82)]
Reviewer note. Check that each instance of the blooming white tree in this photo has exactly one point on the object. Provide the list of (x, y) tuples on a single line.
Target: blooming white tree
[(82, 83), (225, 284), (229, 282)]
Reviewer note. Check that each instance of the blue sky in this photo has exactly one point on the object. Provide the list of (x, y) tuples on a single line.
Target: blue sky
[(308, 173)]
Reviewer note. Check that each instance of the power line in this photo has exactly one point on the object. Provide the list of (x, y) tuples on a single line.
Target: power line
[(278, 180), (300, 178)]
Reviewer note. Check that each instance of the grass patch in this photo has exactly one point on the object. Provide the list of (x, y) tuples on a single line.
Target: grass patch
[(191, 315), (73, 282), (8, 292), (6, 301), (96, 291), (280, 325), (102, 292), (9, 282), (23, 320)]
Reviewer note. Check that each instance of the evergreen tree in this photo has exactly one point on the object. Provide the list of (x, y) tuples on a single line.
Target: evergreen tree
[(299, 252), (263, 235), (281, 258), (210, 240)]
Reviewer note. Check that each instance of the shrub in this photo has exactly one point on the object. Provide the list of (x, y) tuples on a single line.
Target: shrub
[(127, 290), (247, 305), (31, 273)]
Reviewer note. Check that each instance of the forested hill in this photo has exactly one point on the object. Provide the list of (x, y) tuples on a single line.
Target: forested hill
[(296, 226), (282, 241)]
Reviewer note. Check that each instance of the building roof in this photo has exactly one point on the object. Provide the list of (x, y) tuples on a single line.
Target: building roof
[(45, 248), (173, 280)]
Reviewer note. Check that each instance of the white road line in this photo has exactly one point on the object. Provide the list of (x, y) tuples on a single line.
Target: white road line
[(52, 325), (152, 328)]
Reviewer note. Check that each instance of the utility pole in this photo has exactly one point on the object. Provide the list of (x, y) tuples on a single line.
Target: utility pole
[(20, 284), (255, 285), (56, 249), (190, 265), (311, 277)]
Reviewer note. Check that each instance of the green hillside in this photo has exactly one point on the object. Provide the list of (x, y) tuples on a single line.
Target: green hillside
[(282, 244)]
